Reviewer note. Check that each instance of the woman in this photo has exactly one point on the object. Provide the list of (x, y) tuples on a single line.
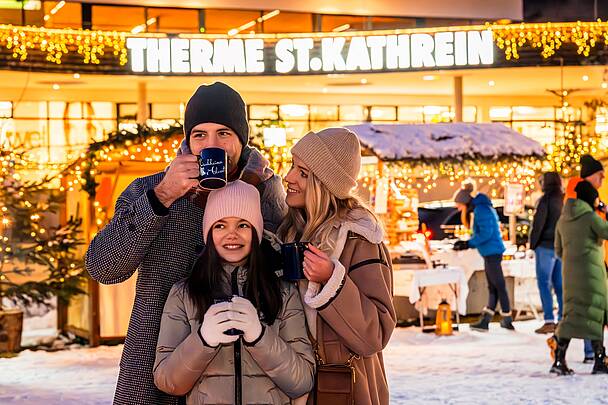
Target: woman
[(348, 291), (486, 238), (542, 241), (232, 332), (578, 242)]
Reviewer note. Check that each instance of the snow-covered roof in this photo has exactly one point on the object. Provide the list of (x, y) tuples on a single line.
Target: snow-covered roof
[(445, 141)]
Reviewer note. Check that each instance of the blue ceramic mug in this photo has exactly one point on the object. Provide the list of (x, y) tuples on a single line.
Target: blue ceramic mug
[(212, 168), (293, 260)]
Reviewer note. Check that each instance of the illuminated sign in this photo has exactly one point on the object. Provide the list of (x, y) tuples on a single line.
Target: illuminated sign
[(302, 55)]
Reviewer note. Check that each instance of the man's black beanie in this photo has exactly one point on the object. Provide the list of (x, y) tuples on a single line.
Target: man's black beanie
[(220, 104), (590, 166)]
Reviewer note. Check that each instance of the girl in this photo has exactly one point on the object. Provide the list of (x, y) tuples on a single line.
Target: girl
[(348, 291), (487, 240), (232, 333)]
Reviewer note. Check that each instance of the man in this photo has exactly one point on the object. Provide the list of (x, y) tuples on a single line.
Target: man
[(592, 171), (157, 228)]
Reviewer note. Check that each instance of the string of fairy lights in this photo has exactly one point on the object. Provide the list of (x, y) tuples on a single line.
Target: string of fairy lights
[(548, 38), (57, 43)]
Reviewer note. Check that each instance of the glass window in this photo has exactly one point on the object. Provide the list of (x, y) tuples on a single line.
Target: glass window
[(34, 14), (63, 110), (500, 113), (601, 126), (6, 109), (30, 109), (529, 113), (319, 125), (434, 113), (62, 14), (30, 134), (323, 112), (390, 23), (104, 18), (222, 21), (469, 114), (11, 12), (378, 113), (263, 112), (542, 132), (11, 15), (288, 22), (342, 23), (568, 113), (293, 112), (601, 121), (101, 119), (127, 111), (99, 110), (352, 113), (410, 114), (173, 20), (295, 129), (166, 111)]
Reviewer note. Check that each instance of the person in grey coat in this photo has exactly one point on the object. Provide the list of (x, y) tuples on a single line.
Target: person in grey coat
[(156, 228)]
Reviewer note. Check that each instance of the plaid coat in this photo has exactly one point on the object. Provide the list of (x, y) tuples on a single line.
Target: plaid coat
[(162, 249)]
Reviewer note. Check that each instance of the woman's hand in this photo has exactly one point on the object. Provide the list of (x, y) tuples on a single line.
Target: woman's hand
[(246, 318), (318, 267)]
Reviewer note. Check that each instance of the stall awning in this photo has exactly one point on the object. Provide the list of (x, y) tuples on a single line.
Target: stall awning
[(444, 141)]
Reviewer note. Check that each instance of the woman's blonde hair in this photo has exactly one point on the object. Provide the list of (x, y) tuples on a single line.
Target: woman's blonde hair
[(322, 212)]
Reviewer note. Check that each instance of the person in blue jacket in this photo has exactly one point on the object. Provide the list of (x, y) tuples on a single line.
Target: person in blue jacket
[(486, 238)]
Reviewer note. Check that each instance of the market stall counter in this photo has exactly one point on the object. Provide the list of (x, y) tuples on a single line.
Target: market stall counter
[(518, 268)]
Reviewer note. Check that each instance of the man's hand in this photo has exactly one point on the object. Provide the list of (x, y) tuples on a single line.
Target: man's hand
[(179, 179)]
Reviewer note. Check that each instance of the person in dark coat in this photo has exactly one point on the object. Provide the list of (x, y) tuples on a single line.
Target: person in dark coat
[(542, 240), (592, 170), (156, 228), (578, 241), (487, 239)]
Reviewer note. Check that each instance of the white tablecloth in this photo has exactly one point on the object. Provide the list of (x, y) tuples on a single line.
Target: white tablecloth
[(408, 282)]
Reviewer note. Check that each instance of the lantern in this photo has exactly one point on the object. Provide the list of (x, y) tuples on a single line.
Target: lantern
[(443, 320)]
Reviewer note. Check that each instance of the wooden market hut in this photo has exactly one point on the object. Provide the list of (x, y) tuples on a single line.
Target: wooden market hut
[(432, 146)]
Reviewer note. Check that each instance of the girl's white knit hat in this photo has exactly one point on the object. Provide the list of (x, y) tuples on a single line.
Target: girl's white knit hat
[(237, 199)]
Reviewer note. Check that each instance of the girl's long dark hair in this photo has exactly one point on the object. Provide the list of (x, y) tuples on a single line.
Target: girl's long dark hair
[(262, 287)]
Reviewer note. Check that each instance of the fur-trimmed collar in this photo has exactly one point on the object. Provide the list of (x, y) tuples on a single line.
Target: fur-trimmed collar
[(360, 222)]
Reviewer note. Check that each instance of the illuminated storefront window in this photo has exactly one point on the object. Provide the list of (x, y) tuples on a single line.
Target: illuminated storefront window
[(601, 126), (542, 124), (172, 20), (132, 19), (222, 21), (289, 22), (434, 114), (53, 131), (60, 14), (383, 113)]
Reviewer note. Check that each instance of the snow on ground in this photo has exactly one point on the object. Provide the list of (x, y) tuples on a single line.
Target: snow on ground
[(498, 367)]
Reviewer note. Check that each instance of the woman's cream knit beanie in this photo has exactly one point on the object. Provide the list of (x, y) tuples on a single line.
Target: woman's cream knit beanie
[(333, 155)]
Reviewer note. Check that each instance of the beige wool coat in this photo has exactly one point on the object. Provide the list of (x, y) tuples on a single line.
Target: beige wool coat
[(353, 313), (278, 367)]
